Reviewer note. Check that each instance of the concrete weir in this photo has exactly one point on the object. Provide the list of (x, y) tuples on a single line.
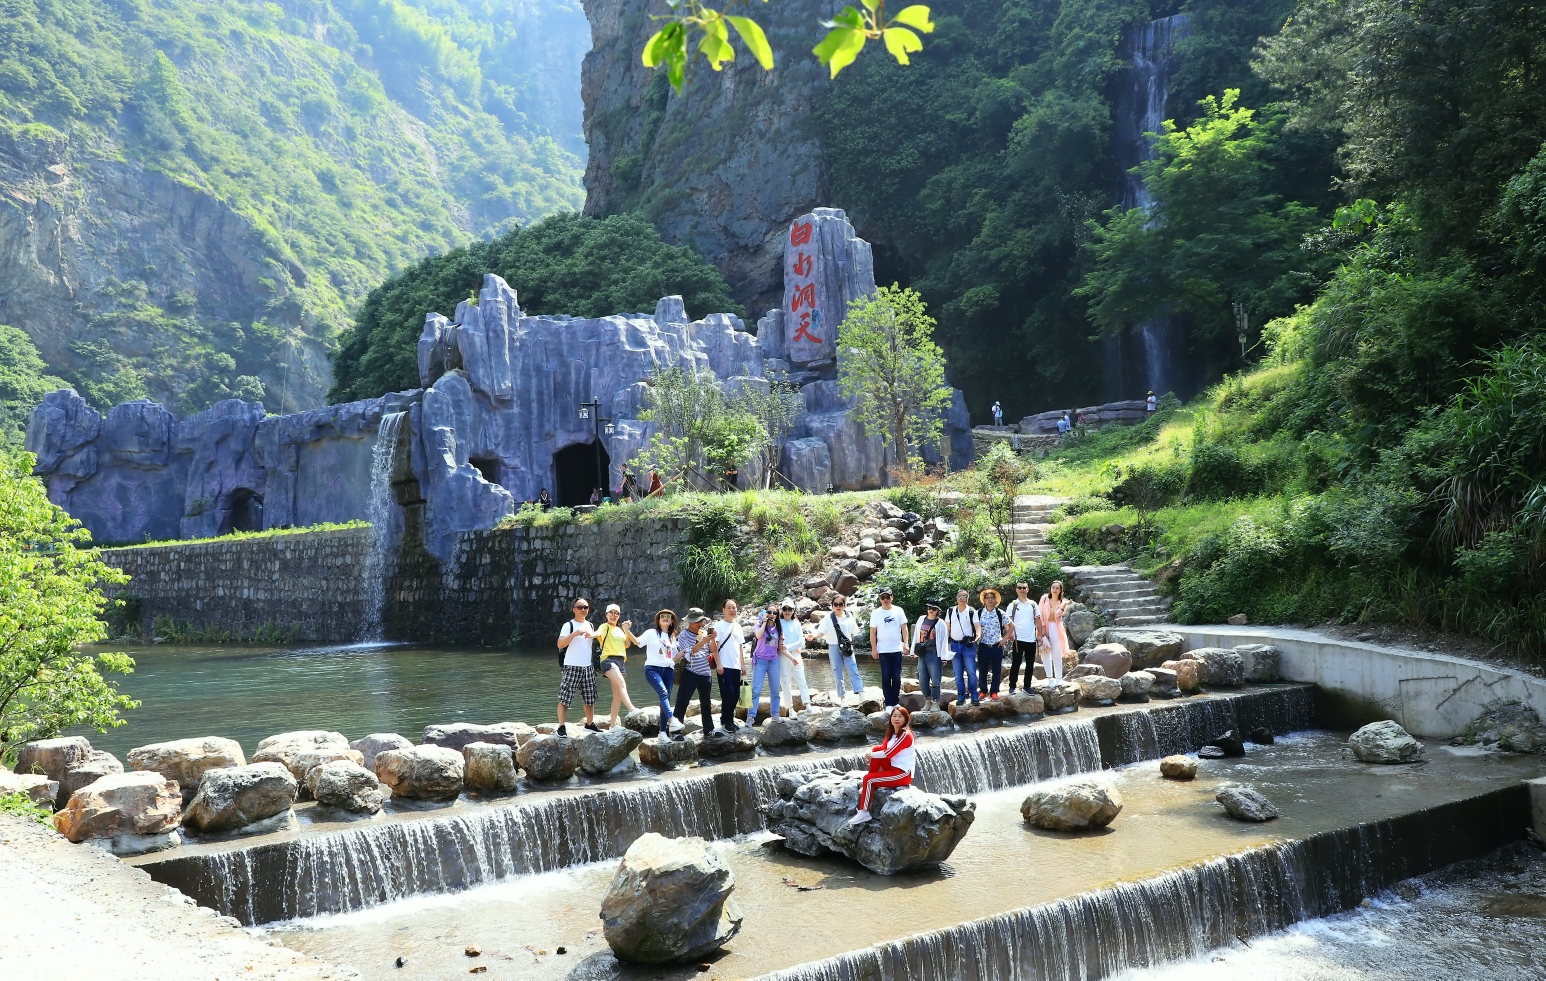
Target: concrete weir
[(341, 868)]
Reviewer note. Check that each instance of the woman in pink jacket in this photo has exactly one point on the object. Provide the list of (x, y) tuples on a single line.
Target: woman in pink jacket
[(1053, 608), (891, 763)]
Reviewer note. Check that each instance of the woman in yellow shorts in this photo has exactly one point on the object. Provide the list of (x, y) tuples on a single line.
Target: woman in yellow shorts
[(613, 638)]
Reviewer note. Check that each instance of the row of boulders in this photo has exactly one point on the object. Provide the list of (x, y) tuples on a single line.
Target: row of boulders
[(1118, 652)]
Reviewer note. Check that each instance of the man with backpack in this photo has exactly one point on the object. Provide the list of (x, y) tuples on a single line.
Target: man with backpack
[(1024, 630), (964, 631), (575, 640)]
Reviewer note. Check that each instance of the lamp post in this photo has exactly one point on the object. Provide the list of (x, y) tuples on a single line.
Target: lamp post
[(592, 410)]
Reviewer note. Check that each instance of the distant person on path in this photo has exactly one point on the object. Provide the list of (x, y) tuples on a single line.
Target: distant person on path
[(931, 644), (543, 500), (1053, 608), (659, 643), (998, 415), (1025, 629), (657, 489), (791, 670), (595, 497), (888, 639), (614, 638), (574, 639), (891, 763), (838, 630), (1064, 425), (963, 630), (765, 658), (692, 644), (992, 626), (1151, 403), (727, 642)]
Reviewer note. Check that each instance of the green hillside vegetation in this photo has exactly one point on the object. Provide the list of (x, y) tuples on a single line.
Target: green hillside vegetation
[(569, 264), (353, 137), (24, 380)]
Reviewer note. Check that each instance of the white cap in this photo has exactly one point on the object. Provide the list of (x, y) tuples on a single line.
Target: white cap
[(614, 608)]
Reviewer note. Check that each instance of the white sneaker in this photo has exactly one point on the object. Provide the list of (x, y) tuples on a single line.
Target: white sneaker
[(675, 725), (863, 817)]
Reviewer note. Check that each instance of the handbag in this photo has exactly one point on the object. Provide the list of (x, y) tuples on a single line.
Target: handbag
[(926, 640), (744, 698), (844, 645)]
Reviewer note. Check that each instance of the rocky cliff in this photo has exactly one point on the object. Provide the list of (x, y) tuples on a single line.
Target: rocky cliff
[(724, 167)]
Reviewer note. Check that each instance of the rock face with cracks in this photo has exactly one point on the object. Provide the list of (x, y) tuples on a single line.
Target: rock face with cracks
[(669, 902), (910, 828), (1080, 805), (1385, 742)]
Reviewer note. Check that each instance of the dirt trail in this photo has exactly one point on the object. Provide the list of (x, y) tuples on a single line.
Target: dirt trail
[(78, 912)]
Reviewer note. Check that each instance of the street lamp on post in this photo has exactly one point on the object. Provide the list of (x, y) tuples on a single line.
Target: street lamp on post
[(592, 410)]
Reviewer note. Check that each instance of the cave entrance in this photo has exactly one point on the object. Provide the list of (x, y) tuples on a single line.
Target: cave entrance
[(488, 468), (577, 474), (246, 511)]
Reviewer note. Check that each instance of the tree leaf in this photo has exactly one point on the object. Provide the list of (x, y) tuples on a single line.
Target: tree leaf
[(756, 41), (715, 47), (899, 41), (847, 17), (839, 48), (870, 5), (916, 16)]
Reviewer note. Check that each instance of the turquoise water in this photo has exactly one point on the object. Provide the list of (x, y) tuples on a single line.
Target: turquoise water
[(247, 693)]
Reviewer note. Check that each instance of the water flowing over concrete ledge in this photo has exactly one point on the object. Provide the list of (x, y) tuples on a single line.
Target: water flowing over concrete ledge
[(1431, 695)]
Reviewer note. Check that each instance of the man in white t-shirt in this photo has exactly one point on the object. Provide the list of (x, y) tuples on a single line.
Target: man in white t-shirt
[(964, 630), (727, 642), (575, 640), (1024, 628), (888, 639)]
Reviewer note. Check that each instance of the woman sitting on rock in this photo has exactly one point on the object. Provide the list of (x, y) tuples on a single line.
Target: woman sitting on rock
[(891, 763)]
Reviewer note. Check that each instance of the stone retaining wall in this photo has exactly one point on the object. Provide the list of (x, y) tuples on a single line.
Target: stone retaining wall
[(320, 586)]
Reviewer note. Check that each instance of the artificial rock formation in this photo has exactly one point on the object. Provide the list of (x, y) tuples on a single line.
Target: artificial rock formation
[(669, 902), (236, 798), (1076, 805), (910, 827)]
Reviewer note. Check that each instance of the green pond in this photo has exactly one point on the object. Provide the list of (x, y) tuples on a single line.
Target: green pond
[(248, 692)]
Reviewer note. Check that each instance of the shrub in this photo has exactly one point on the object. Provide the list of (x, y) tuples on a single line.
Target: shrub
[(710, 574), (21, 805), (827, 519), (788, 562)]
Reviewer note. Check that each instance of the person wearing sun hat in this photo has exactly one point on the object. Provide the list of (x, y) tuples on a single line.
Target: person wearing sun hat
[(659, 643), (990, 643), (692, 645)]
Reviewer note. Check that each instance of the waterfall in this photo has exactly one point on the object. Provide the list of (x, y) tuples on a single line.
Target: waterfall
[(1188, 911), (1185, 725), (380, 514), (369, 864)]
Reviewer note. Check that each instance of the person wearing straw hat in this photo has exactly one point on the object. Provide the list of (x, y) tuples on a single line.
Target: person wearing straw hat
[(792, 670), (615, 638), (659, 643), (692, 645), (990, 644)]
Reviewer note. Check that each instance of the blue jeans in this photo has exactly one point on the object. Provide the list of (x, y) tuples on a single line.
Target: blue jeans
[(966, 669), (660, 679), (990, 664), (839, 662), (764, 669), (929, 673), (891, 678)]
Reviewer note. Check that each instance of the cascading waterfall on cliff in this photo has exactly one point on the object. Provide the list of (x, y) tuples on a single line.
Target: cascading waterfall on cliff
[(380, 514), (1189, 911)]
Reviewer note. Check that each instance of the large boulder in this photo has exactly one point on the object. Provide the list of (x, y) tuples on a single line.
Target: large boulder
[(1078, 805), (1022, 703), (1178, 767), (1246, 804), (785, 731), (459, 734), (1059, 696), (422, 772), (1165, 684), (669, 902), (910, 828), (1136, 685), (52, 757), (376, 743), (722, 743), (301, 764), (1113, 659), (1510, 726), (549, 758), (233, 798), (1261, 662), (1099, 689), (602, 751), (666, 753), (1083, 671), (139, 804), (1186, 673), (488, 768), (1385, 742), (286, 746), (1147, 645), (187, 760), (1221, 668), (347, 786), (644, 721), (967, 714), (1079, 625), (38, 788), (845, 723), (88, 771)]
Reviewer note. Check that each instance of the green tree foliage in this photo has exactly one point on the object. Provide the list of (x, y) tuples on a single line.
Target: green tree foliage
[(892, 369), (50, 603), (24, 380), (568, 263), (1215, 240)]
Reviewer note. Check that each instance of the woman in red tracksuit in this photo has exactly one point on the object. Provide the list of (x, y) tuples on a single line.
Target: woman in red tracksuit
[(891, 763)]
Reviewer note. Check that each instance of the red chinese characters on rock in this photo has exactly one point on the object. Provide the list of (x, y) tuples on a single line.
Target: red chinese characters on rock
[(800, 233), (803, 298)]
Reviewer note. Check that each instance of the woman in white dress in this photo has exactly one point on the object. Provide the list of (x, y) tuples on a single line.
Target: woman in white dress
[(1053, 608)]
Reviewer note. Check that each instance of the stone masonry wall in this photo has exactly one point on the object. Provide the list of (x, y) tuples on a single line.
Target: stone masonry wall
[(502, 584)]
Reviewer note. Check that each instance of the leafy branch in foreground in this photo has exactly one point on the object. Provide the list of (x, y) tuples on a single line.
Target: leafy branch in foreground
[(846, 36)]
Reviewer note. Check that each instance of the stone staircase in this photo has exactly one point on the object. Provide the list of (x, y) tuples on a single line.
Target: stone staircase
[(1032, 522), (1124, 597)]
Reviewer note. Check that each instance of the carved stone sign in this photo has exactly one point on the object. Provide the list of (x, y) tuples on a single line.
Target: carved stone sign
[(826, 267)]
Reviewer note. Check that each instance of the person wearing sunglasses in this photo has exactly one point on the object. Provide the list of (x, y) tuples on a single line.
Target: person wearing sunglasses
[(575, 640)]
